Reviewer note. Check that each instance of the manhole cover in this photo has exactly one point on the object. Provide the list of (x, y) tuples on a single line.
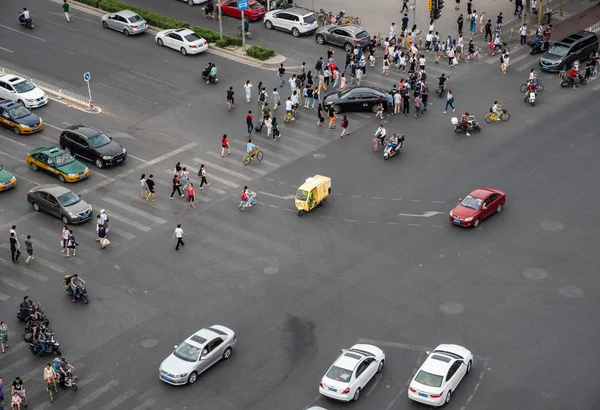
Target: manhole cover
[(535, 273), (452, 308), (271, 270), (319, 155), (552, 226), (149, 343), (570, 292)]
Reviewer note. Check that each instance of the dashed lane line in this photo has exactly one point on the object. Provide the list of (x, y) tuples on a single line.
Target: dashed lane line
[(138, 197), (13, 283), (129, 222), (118, 400), (145, 405), (94, 395)]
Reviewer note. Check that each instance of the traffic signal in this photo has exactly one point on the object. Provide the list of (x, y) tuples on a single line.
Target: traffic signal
[(435, 9), (430, 5)]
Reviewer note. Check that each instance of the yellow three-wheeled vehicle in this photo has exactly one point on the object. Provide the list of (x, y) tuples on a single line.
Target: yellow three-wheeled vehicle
[(314, 191)]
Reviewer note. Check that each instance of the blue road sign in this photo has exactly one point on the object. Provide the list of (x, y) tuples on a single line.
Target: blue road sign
[(86, 76), (242, 5)]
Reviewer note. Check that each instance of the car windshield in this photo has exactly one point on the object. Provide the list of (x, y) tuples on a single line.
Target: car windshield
[(310, 18), (255, 6), (187, 352), (1, 167), (190, 38), (559, 50), (344, 94), (135, 19), (429, 379), (339, 374), (23, 87), (19, 112), (68, 199), (99, 140), (63, 159), (301, 195), (362, 35), (471, 202)]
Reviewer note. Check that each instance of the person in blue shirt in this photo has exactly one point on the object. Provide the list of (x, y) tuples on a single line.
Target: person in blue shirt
[(251, 148), (390, 104)]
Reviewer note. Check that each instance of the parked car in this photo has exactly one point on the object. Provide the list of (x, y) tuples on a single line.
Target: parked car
[(18, 89), (563, 53), (196, 354), (61, 202), (182, 39), (194, 2), (254, 11), (92, 144), (295, 20), (18, 118), (356, 99), (125, 21), (55, 161), (347, 36), (7, 180), (477, 206)]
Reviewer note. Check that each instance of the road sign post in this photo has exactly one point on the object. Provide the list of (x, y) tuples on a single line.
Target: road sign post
[(220, 23), (86, 77), (242, 5)]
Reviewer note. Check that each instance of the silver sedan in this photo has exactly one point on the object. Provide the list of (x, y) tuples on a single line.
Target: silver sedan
[(125, 21)]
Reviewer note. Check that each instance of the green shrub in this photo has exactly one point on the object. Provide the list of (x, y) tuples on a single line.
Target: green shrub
[(260, 53), (213, 37), (153, 19), (93, 3)]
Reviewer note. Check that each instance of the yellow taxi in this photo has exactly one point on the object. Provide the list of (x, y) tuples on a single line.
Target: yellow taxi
[(55, 161), (18, 118), (7, 180)]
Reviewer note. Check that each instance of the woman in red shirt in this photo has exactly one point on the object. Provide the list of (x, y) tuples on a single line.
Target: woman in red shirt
[(191, 194), (225, 146)]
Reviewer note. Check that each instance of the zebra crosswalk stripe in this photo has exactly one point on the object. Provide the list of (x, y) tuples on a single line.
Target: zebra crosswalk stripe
[(222, 169), (130, 208)]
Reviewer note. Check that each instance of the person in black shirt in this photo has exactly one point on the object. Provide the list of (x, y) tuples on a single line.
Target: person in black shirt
[(176, 185), (151, 190), (14, 248), (230, 95)]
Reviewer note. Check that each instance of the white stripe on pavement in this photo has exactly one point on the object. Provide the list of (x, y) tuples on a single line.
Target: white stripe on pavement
[(94, 395), (130, 208), (54, 251), (138, 196), (42, 386), (306, 134), (129, 222), (14, 348), (13, 284), (4, 297), (32, 274), (222, 169), (271, 153), (194, 173), (238, 163), (41, 261), (118, 400), (145, 405), (220, 192)]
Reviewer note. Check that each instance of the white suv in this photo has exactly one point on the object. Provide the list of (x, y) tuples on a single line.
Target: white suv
[(296, 20), (20, 90)]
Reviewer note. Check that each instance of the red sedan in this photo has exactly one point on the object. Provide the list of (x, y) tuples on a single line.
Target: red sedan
[(477, 206), (254, 11)]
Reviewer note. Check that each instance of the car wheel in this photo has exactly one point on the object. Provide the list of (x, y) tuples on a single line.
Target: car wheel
[(269, 25), (499, 209), (469, 366), (295, 32), (61, 178), (99, 163), (104, 24), (183, 51), (126, 32), (227, 353), (16, 130), (64, 219), (356, 395), (348, 47), (159, 42), (448, 396), (36, 207), (380, 368), (476, 223), (193, 377), (337, 109), (33, 166), (321, 39)]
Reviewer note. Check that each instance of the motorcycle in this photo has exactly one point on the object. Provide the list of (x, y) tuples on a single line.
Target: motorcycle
[(52, 346), (70, 380), (566, 81), (440, 90), (207, 77), (389, 152), (530, 97), (251, 201), (27, 23), (24, 314), (40, 324), (460, 127), (66, 280)]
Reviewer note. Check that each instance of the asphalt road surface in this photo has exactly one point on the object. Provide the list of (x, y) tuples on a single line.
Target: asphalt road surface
[(379, 264)]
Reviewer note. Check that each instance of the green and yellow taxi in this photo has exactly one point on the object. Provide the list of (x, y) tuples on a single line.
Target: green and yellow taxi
[(18, 118), (54, 160), (7, 180)]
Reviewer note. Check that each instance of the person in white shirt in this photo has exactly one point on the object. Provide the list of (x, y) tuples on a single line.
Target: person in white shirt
[(179, 235), (289, 105), (25, 14), (428, 40)]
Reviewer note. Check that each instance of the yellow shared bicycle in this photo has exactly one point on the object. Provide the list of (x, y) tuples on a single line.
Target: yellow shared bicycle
[(491, 117), (258, 154)]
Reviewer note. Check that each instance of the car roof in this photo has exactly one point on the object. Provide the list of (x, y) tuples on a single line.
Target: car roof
[(296, 10), (84, 130), (351, 27), (52, 151), (196, 338), (53, 189), (348, 360), (183, 31), (12, 79), (437, 363), (126, 13), (574, 37), (481, 193)]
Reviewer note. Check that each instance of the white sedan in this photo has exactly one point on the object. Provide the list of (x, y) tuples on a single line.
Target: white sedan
[(440, 375), (18, 89), (351, 372), (194, 2), (182, 39)]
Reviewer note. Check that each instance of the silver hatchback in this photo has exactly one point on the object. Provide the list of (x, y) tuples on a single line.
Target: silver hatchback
[(125, 21)]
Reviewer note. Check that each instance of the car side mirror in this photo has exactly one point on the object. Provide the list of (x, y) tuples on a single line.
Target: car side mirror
[(428, 352), (79, 196), (175, 347)]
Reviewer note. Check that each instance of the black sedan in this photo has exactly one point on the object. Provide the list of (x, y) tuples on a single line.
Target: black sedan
[(92, 144), (356, 99)]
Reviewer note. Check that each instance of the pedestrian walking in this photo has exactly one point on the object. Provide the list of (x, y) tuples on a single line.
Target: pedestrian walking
[(179, 235), (469, 7), (29, 248), (3, 337), (343, 82), (499, 18), (523, 33), (104, 242), (389, 103), (488, 30), (143, 186), (14, 248), (386, 66), (281, 74), (404, 22), (397, 103), (276, 99), (457, 5), (460, 21), (185, 178), (151, 188), (176, 186), (359, 77), (71, 245), (405, 101), (449, 101), (504, 61), (191, 195), (65, 7), (248, 90), (473, 22), (64, 237), (481, 22), (518, 7), (202, 176), (269, 125), (331, 117), (275, 125), (320, 115), (250, 122), (450, 54), (177, 169), (344, 126), (404, 5)]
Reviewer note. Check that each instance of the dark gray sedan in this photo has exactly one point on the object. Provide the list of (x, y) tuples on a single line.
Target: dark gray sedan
[(347, 36), (60, 202)]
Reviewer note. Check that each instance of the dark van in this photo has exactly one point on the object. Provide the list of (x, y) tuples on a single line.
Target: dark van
[(562, 54)]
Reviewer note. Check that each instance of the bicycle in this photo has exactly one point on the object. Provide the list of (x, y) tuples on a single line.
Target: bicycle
[(248, 158), (491, 117), (289, 116), (50, 389), (539, 85), (378, 142), (475, 56)]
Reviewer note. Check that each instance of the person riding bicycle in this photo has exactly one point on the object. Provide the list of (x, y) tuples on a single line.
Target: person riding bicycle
[(380, 134), (464, 122), (246, 196), (471, 49), (496, 110), (50, 376), (230, 95), (76, 284), (251, 148), (209, 8)]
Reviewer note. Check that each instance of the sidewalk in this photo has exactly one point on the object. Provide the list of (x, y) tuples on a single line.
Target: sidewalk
[(575, 22)]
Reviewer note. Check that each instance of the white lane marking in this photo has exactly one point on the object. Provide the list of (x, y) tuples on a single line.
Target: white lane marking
[(55, 23), (396, 199), (138, 168), (392, 223), (376, 197), (437, 226), (393, 402), (94, 395), (438, 202), (19, 176), (7, 50), (13, 141), (273, 206), (372, 222), (14, 348), (351, 220), (289, 210), (222, 169), (270, 179), (138, 197), (137, 97), (211, 177), (306, 134), (596, 88), (284, 146), (285, 198), (427, 214), (18, 365), (373, 385), (137, 211), (406, 346), (136, 158), (183, 66), (32, 274), (154, 79), (41, 261), (356, 196), (4, 297), (145, 405), (118, 400), (129, 222), (414, 224), (54, 126), (52, 140), (415, 200), (51, 250), (516, 60), (238, 163), (25, 34)]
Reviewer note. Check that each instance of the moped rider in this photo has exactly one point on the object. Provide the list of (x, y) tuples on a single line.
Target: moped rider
[(464, 121), (76, 284)]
